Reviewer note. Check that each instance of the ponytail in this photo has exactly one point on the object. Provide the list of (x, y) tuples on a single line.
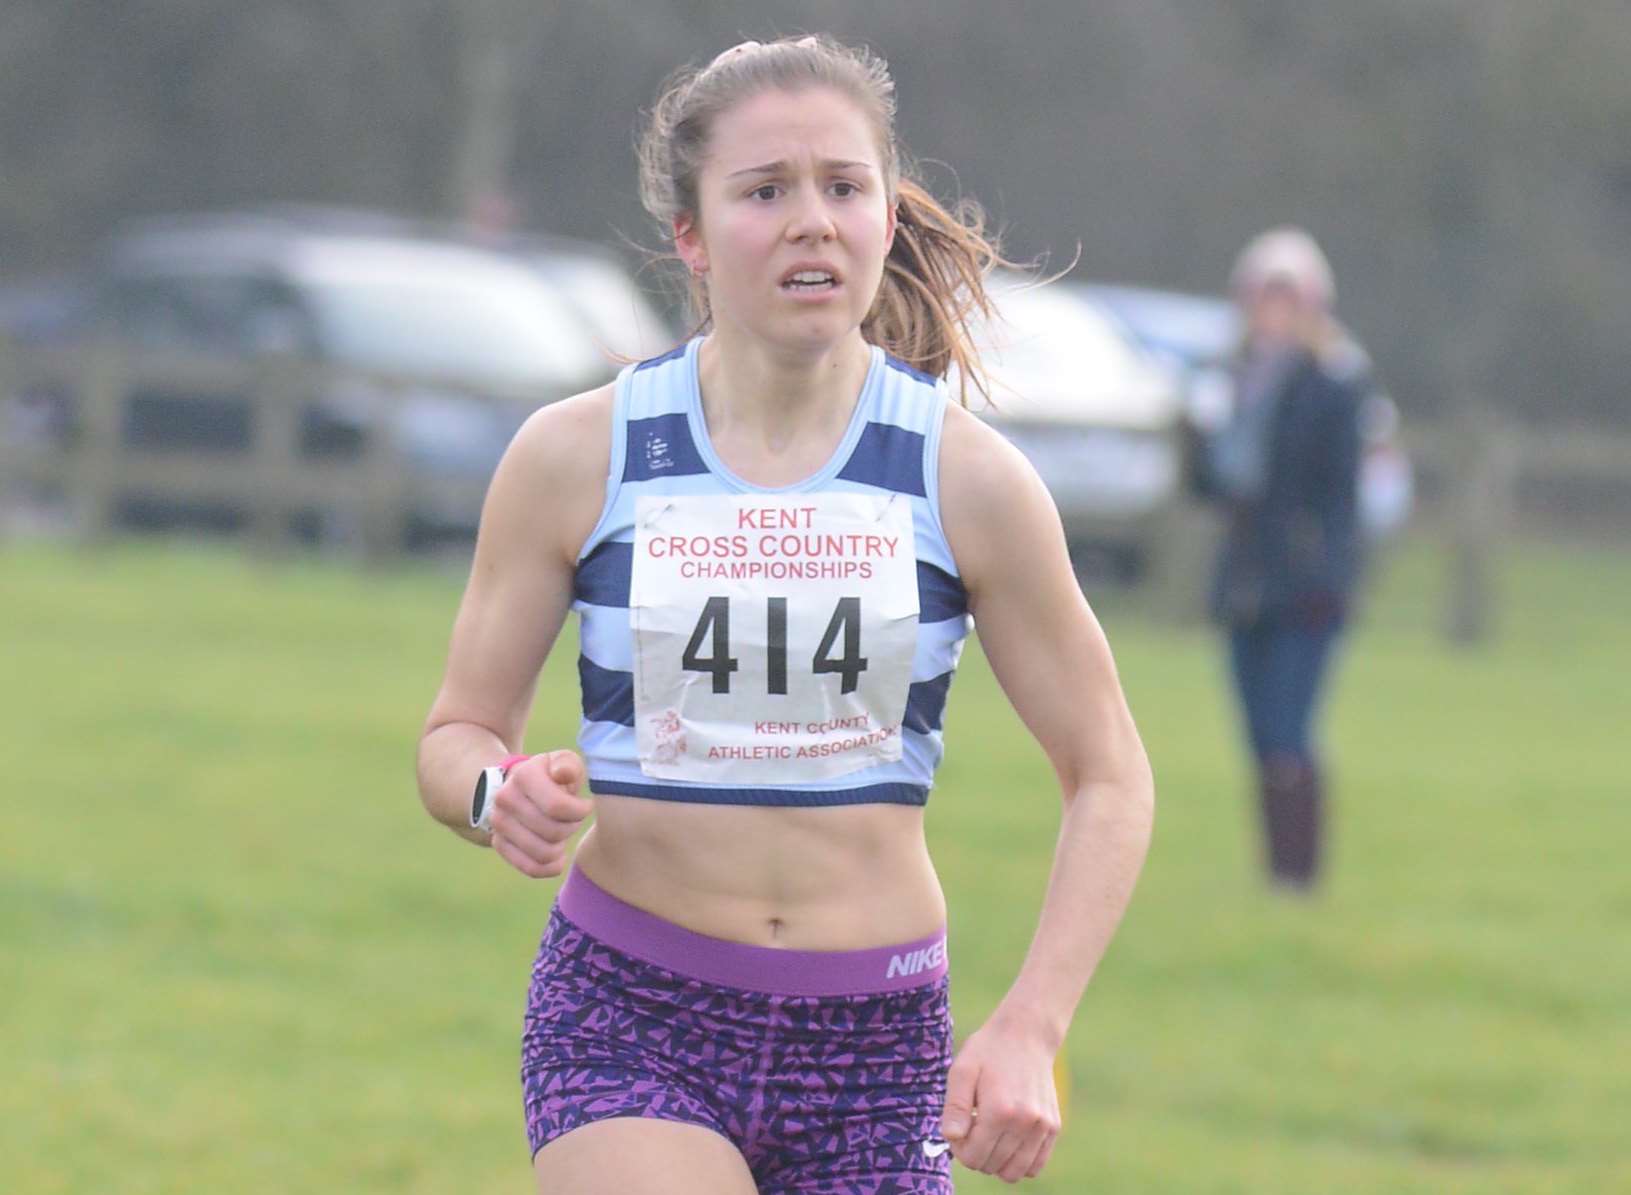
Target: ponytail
[(933, 288)]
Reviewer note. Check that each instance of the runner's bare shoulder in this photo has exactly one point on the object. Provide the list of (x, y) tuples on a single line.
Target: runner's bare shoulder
[(552, 479)]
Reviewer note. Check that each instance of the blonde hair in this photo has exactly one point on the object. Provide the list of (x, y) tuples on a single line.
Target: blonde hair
[(1289, 256), (934, 277)]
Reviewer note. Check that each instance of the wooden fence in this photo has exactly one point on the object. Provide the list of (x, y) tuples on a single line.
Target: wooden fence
[(264, 480), (1478, 478)]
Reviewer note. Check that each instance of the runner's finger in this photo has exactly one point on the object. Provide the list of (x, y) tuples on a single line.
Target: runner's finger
[(974, 1151), (1024, 1158), (1008, 1144), (1043, 1155), (526, 864)]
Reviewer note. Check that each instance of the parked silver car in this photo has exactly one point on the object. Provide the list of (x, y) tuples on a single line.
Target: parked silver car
[(448, 344), (620, 313)]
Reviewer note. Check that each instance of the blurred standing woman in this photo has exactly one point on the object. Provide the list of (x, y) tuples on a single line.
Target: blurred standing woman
[(774, 537), (1285, 468)]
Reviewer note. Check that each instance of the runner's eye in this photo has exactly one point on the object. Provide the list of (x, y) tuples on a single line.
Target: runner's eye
[(766, 191), (844, 189)]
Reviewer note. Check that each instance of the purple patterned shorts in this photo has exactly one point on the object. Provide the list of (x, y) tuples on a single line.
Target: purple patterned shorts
[(826, 1070)]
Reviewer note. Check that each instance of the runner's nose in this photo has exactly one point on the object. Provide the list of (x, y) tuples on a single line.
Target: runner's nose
[(810, 220)]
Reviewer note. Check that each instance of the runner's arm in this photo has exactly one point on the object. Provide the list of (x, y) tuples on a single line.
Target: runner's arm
[(543, 503), (1051, 658)]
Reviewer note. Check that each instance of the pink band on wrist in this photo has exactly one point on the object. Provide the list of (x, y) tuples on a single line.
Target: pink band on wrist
[(509, 761)]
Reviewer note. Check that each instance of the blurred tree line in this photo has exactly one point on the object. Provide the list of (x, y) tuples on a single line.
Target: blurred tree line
[(1465, 162)]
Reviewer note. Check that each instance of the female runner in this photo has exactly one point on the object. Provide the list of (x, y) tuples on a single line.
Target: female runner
[(775, 537)]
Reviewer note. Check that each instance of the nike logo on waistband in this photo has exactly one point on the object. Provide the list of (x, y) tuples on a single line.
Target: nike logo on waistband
[(915, 962), (933, 1149)]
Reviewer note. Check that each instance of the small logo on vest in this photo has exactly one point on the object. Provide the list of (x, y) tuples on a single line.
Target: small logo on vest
[(670, 734), (915, 962), (657, 458)]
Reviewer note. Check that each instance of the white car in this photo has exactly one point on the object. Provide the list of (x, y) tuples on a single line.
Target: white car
[(1095, 415), (621, 315)]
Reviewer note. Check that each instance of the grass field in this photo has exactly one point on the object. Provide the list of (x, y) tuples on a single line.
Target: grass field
[(235, 955)]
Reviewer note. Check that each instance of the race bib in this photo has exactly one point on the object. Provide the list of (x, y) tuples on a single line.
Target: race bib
[(773, 634)]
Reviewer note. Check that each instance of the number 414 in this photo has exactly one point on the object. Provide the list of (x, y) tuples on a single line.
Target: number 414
[(714, 628)]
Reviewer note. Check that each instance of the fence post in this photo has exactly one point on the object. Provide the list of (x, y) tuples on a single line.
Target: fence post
[(385, 483), (10, 384), (276, 392), (1179, 555), (1484, 463), (104, 384)]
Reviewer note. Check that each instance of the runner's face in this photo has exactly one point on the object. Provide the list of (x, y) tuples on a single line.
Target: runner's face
[(795, 220)]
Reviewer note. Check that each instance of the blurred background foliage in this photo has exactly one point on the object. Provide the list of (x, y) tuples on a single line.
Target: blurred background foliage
[(1464, 161)]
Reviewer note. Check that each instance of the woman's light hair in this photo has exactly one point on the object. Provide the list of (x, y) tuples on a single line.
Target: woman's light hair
[(1291, 257)]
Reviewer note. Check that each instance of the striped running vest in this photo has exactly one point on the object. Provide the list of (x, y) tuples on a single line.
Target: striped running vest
[(748, 645)]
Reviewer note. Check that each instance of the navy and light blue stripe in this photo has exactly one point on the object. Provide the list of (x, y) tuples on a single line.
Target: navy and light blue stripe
[(660, 447)]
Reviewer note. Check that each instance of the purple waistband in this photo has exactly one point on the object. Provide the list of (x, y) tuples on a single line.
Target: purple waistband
[(736, 964)]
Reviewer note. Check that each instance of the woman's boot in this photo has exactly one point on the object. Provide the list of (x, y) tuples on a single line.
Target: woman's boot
[(1293, 821)]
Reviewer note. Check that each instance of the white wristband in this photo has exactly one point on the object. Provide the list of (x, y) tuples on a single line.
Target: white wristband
[(481, 803)]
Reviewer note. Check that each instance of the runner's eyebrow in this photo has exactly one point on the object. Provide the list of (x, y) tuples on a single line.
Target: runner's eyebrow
[(780, 167)]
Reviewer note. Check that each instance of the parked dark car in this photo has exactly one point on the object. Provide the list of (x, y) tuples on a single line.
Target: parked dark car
[(1196, 335), (1187, 331)]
